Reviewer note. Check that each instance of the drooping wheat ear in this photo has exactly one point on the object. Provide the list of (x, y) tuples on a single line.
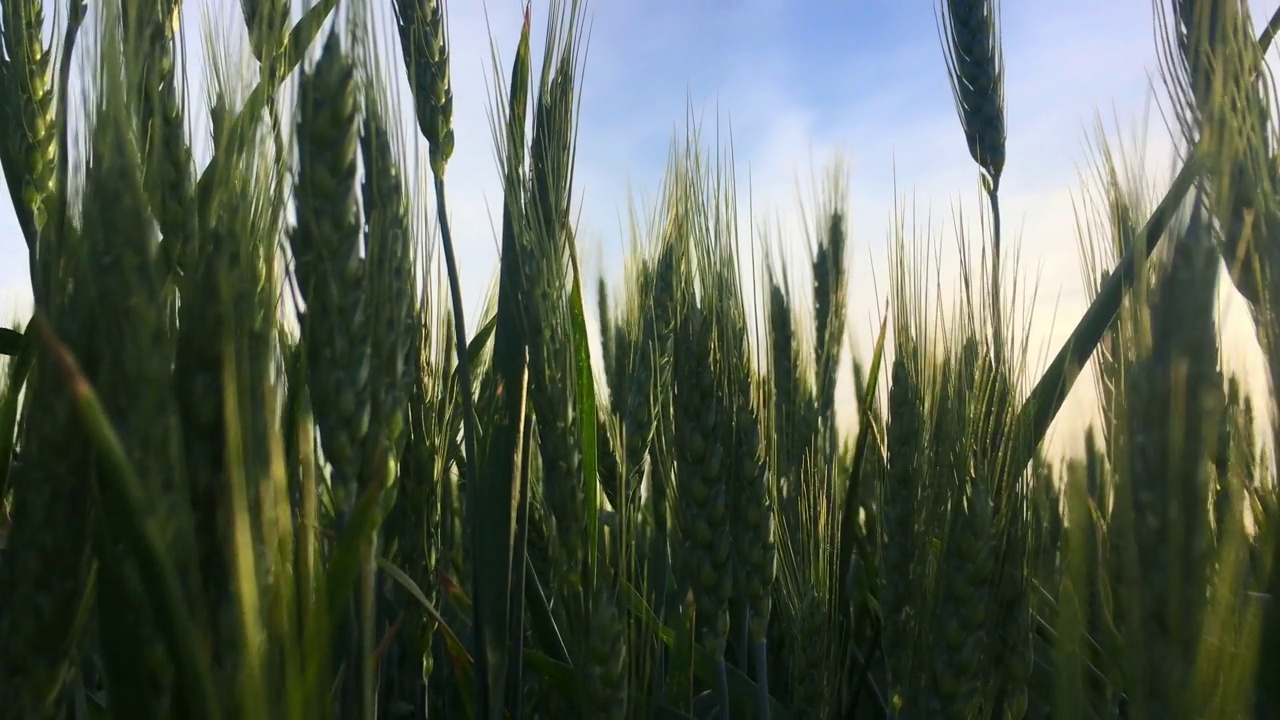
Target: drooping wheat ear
[(899, 501), (426, 58), (29, 76), (702, 466), (976, 67), (268, 24), (326, 248)]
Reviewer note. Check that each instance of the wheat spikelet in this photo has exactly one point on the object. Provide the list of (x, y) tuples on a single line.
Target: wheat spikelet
[(1013, 622), (44, 573), (638, 420), (114, 199), (553, 381), (608, 335), (224, 357), (659, 315), (641, 344)]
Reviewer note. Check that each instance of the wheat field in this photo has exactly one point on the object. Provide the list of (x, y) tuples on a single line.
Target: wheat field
[(257, 459)]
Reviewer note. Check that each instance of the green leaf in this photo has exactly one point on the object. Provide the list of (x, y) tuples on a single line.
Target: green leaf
[(19, 368), (1046, 399), (586, 418), (10, 341), (500, 487), (479, 340), (463, 665)]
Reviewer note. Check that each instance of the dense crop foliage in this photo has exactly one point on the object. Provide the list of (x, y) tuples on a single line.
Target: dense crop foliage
[(256, 463)]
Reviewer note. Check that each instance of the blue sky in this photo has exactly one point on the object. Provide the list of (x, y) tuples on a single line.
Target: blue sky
[(799, 81)]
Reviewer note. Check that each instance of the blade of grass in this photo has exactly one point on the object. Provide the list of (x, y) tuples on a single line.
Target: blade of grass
[(19, 368), (463, 663), (498, 487)]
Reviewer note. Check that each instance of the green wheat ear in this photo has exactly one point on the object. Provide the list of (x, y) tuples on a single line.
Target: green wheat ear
[(426, 58), (326, 246), (703, 514), (27, 75), (976, 68)]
